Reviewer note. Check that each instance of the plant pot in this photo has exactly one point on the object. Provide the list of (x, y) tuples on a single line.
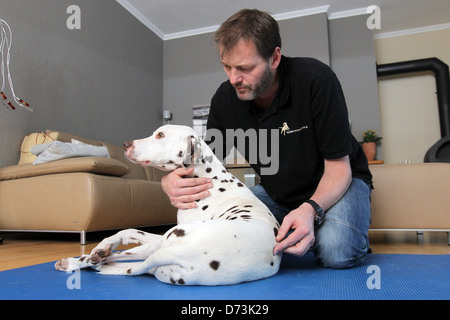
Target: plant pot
[(370, 149)]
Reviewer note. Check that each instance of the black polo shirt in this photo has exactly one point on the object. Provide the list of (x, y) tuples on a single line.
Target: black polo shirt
[(310, 112)]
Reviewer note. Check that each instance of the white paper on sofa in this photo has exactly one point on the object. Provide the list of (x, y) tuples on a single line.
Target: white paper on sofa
[(57, 150)]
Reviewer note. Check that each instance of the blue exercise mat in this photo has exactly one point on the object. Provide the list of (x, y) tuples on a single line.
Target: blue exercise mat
[(380, 277)]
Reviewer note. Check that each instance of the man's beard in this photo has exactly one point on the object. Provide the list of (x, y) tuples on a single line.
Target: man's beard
[(261, 87)]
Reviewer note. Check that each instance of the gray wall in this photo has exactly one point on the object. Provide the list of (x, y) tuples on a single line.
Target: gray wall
[(100, 82), (306, 37), (192, 74), (353, 61)]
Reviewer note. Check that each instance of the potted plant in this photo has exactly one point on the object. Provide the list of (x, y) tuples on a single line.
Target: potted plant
[(369, 143)]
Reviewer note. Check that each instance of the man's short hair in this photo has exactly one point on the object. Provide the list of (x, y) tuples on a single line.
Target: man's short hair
[(250, 24)]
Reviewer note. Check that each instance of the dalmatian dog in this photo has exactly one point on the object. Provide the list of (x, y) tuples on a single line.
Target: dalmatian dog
[(227, 239)]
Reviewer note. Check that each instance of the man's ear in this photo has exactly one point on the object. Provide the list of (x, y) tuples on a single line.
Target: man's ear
[(276, 58)]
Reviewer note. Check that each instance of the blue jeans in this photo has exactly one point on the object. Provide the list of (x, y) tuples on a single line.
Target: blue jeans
[(342, 239)]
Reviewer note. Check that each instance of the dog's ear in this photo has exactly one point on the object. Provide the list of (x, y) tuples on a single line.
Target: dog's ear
[(193, 152)]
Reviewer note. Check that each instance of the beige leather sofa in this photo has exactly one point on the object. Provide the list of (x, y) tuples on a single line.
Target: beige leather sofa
[(80, 194), (411, 197), (92, 193)]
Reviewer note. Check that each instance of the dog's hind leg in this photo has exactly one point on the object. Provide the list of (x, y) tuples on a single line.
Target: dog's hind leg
[(104, 250), (161, 257), (141, 252), (125, 237)]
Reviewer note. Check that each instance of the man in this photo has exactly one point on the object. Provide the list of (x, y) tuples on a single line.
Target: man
[(322, 167)]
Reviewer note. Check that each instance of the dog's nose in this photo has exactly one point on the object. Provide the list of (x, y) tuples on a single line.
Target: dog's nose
[(127, 145)]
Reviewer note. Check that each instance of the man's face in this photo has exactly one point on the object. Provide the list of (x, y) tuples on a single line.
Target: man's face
[(248, 72)]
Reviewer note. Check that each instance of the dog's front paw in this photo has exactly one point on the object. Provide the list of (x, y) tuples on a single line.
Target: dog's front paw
[(62, 265)]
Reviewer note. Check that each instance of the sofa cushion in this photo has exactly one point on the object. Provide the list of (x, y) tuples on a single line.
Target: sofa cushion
[(68, 137), (48, 136), (58, 150), (31, 140), (99, 165)]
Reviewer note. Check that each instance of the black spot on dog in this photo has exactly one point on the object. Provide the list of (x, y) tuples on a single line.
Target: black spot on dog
[(221, 189), (271, 263), (204, 208), (215, 177), (177, 232), (129, 271), (186, 163), (208, 170), (240, 211), (214, 264), (240, 184), (248, 206), (181, 281), (180, 154), (141, 232), (137, 240), (246, 216), (170, 162), (227, 211), (275, 231), (172, 281)]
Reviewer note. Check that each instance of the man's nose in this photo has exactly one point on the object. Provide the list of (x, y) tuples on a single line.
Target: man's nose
[(235, 77)]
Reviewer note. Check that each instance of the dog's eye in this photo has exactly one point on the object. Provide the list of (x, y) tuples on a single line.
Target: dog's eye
[(159, 135)]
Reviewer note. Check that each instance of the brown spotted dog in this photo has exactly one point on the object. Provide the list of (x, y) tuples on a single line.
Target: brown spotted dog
[(228, 239)]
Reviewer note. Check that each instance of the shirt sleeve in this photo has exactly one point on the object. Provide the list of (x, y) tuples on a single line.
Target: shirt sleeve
[(330, 117)]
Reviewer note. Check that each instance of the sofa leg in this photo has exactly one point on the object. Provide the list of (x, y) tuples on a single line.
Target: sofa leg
[(83, 238), (448, 238), (419, 236)]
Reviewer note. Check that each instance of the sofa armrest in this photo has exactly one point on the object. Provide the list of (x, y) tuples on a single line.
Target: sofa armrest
[(98, 165), (411, 196)]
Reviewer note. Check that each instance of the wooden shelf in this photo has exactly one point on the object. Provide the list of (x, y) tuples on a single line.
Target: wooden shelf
[(376, 162)]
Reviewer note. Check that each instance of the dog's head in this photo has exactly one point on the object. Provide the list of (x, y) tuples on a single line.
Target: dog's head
[(168, 148)]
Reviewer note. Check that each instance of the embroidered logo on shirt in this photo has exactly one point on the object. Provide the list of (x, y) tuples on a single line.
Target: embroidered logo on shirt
[(286, 130)]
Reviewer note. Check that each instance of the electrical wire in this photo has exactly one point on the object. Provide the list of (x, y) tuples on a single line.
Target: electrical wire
[(5, 47)]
